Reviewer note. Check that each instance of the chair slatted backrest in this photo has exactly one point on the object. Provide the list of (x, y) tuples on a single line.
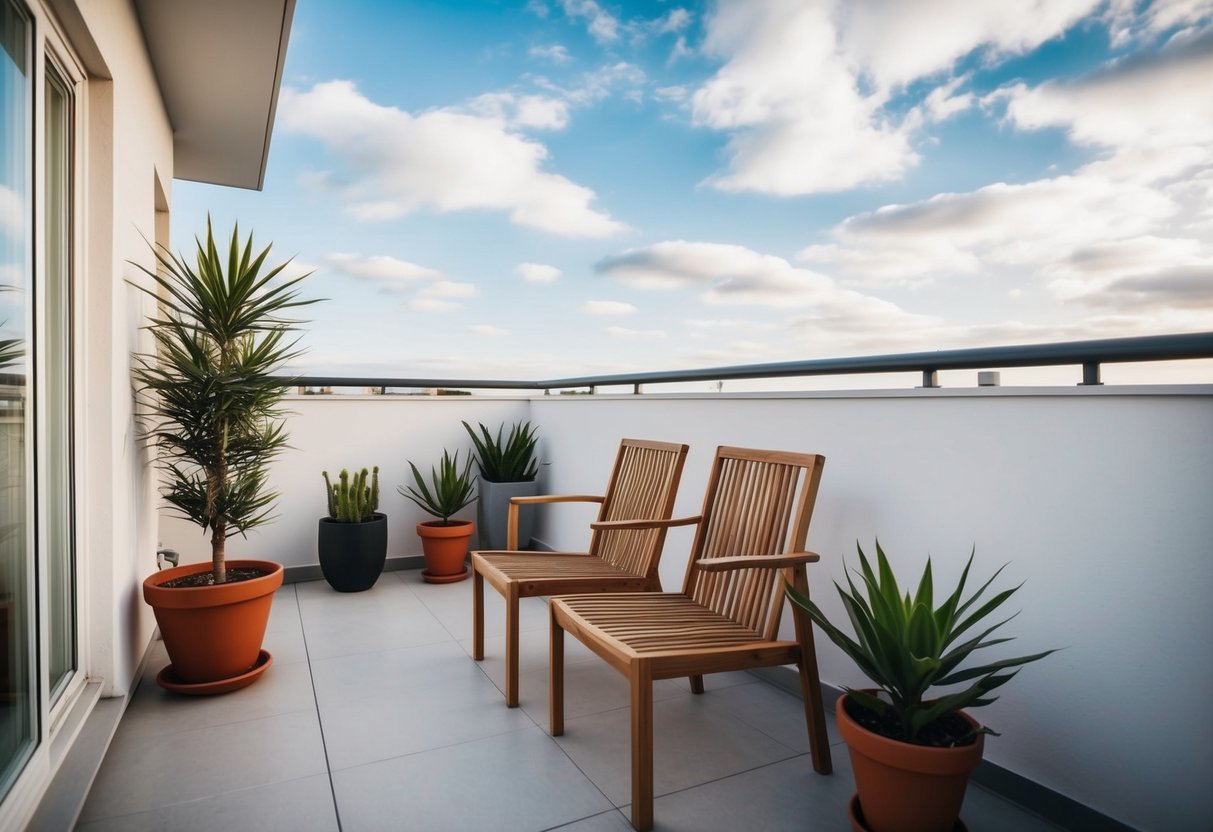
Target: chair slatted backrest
[(643, 486), (757, 503)]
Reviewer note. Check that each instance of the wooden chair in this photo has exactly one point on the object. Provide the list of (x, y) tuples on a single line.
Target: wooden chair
[(623, 555), (750, 540)]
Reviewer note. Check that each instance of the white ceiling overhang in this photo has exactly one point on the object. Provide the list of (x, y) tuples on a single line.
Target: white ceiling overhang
[(219, 67)]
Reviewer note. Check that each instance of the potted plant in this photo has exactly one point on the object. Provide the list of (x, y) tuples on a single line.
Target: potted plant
[(508, 468), (444, 541), (912, 756), (352, 540), (211, 408)]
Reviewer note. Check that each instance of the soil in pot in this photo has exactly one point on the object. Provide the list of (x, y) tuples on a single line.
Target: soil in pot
[(214, 632)]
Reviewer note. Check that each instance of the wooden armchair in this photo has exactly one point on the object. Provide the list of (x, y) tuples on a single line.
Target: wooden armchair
[(750, 540), (623, 554)]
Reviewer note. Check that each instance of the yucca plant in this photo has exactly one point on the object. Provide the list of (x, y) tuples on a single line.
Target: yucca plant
[(509, 460), (210, 390), (907, 645), (450, 488)]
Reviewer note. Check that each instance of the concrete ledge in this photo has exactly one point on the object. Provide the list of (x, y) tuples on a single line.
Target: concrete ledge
[(1040, 800)]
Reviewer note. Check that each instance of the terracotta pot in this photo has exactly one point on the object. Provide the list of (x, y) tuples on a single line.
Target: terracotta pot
[(446, 547), (213, 633), (905, 787), (352, 554)]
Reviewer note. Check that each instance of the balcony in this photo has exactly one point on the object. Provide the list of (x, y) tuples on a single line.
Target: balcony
[(374, 716)]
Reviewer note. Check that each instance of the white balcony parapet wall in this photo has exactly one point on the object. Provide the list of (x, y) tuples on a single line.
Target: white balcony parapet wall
[(1098, 498)]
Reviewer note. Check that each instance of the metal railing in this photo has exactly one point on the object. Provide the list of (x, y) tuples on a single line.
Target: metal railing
[(1090, 355)]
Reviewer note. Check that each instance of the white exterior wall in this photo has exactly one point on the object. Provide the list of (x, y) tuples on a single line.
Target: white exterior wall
[(328, 433), (1097, 498), (127, 145)]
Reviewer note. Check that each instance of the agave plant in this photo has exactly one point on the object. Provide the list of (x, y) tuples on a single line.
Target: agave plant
[(907, 645), (450, 488), (210, 389), (511, 460)]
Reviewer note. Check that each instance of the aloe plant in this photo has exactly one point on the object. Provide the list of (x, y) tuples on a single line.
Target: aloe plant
[(509, 460), (211, 391), (907, 645), (450, 488)]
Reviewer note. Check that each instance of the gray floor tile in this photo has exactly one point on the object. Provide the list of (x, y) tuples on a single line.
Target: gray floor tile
[(518, 781), (988, 812), (533, 653), (341, 629), (304, 805), (282, 689), (149, 772), (590, 687), (416, 719), (775, 712), (787, 795), (284, 611), (693, 743), (454, 609), (352, 677), (612, 821)]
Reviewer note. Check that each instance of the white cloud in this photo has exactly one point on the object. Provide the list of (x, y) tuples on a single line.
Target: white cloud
[(433, 305), (554, 52), (1131, 231), (799, 122), (12, 212), (731, 275), (396, 163), (626, 334), (675, 93), (894, 44), (599, 84), (804, 85), (392, 274), (538, 111), (537, 272), (488, 331), (450, 289), (601, 24), (607, 307)]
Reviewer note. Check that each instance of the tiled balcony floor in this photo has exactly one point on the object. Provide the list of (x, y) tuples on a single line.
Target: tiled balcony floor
[(374, 717)]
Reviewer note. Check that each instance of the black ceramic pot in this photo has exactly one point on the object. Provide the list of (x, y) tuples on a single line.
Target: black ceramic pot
[(352, 554)]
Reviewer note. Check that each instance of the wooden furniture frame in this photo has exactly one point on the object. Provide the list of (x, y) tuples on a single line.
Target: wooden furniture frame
[(751, 538), (624, 551)]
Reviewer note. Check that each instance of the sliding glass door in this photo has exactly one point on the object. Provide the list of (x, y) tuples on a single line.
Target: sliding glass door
[(18, 695)]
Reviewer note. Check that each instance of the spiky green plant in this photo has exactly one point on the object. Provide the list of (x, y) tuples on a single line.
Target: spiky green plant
[(352, 501), (906, 645), (449, 490), (210, 391), (511, 460)]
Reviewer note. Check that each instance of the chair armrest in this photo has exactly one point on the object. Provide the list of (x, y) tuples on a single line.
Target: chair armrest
[(756, 561), (607, 525), (557, 498), (511, 517)]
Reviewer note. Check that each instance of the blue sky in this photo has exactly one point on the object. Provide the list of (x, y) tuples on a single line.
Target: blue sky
[(559, 187)]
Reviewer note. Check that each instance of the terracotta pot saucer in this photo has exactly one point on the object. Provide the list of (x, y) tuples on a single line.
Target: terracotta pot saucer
[(858, 824), (430, 578), (168, 680)]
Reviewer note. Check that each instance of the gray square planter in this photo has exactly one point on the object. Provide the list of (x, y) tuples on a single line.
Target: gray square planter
[(492, 512)]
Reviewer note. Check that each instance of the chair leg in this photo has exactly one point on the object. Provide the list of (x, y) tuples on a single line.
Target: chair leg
[(556, 678), (477, 614), (511, 646), (810, 689), (641, 682), (696, 683)]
